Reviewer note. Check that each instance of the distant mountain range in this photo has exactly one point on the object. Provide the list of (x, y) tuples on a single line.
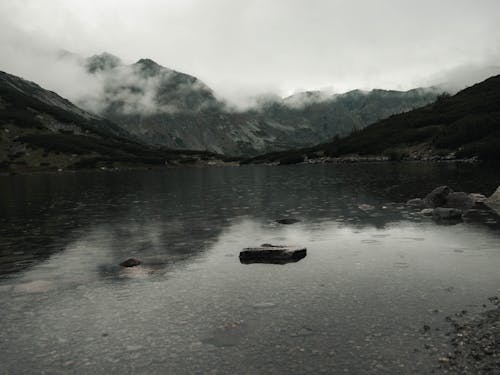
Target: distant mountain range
[(466, 125), (161, 106), (41, 130), (146, 114)]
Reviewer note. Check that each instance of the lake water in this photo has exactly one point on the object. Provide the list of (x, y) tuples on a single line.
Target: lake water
[(357, 303)]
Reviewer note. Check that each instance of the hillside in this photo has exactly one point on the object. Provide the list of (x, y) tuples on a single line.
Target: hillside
[(39, 130), (164, 107), (461, 126)]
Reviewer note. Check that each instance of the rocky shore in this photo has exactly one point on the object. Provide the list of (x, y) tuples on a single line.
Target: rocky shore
[(298, 157), (475, 341)]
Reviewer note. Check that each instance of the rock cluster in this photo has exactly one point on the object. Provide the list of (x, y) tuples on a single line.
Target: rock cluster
[(448, 206)]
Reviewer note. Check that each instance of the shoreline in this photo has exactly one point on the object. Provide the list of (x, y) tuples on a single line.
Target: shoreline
[(218, 164), (473, 340)]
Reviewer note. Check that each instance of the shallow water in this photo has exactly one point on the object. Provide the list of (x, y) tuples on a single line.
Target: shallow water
[(376, 271)]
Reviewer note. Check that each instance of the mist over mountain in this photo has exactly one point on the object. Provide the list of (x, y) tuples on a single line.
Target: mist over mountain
[(40, 130), (165, 107), (465, 125)]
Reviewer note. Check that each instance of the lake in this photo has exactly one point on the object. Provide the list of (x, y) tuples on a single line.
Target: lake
[(376, 271)]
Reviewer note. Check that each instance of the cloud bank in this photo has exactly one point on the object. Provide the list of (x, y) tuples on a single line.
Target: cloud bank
[(245, 48)]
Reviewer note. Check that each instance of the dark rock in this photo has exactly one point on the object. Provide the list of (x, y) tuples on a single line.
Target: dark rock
[(131, 262), (268, 253), (416, 202), (287, 221), (437, 197), (447, 214), (459, 200)]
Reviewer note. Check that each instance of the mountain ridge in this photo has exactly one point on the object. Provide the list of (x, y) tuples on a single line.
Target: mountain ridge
[(40, 130), (163, 107), (465, 125)]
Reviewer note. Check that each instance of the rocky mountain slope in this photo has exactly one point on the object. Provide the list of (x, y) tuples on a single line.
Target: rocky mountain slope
[(465, 125), (41, 130), (165, 107)]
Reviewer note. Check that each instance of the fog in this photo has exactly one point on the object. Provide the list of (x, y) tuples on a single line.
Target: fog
[(243, 49)]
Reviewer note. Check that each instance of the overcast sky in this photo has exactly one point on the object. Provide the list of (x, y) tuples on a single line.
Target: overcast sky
[(251, 46)]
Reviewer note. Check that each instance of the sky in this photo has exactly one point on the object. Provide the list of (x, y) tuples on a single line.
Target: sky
[(249, 47)]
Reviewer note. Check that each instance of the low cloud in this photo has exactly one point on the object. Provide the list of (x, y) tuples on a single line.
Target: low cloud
[(455, 79)]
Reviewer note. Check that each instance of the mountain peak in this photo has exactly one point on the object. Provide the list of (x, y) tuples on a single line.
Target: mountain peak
[(147, 62), (149, 67), (102, 62)]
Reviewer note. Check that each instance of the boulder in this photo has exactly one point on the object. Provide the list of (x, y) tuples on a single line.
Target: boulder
[(267, 253), (130, 262), (287, 221), (495, 197), (447, 214), (437, 197), (493, 201), (459, 199)]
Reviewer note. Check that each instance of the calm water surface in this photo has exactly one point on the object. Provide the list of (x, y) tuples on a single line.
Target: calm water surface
[(356, 304)]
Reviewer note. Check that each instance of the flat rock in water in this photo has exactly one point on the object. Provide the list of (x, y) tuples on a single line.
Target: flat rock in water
[(131, 262), (276, 254), (416, 202), (287, 221)]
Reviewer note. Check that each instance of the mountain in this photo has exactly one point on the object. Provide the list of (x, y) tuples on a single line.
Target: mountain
[(465, 125), (41, 130), (164, 107)]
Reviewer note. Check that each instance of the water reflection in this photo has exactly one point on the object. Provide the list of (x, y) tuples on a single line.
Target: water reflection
[(177, 214)]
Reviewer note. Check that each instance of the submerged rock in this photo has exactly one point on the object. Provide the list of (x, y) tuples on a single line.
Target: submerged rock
[(446, 214), (427, 211), (437, 197), (416, 202), (276, 254), (37, 286), (287, 221), (130, 262), (366, 207), (229, 334)]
